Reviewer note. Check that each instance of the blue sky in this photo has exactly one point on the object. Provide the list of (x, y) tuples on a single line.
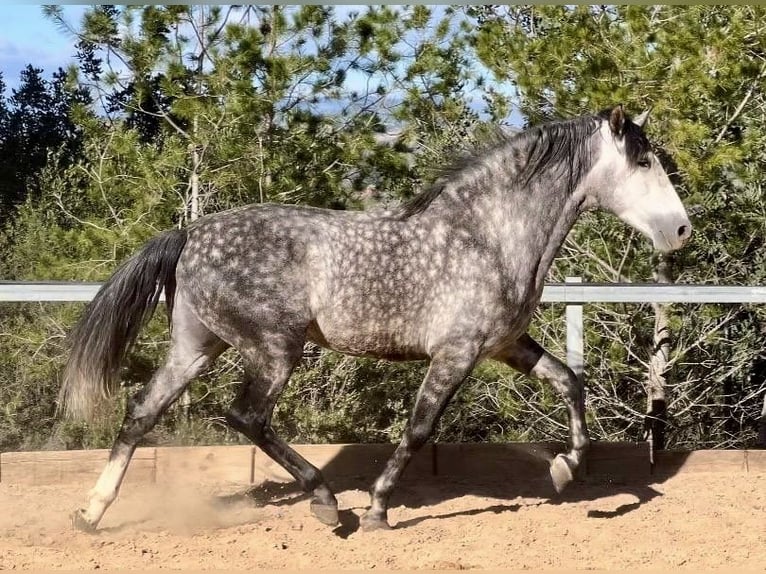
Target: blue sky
[(27, 37)]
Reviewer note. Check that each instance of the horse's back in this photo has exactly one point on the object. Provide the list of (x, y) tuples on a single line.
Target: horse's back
[(356, 282), (336, 275), (252, 265)]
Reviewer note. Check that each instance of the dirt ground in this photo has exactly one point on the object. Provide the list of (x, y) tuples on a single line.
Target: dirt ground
[(690, 521)]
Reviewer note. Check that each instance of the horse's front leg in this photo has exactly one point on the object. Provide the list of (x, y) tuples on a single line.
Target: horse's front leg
[(448, 369), (527, 356)]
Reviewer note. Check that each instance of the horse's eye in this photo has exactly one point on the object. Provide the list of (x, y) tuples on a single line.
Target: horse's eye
[(644, 163)]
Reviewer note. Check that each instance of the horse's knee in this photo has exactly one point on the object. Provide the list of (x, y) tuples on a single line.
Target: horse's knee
[(134, 429), (566, 376), (581, 443), (567, 383)]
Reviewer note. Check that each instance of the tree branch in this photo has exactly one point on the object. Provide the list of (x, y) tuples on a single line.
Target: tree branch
[(741, 105)]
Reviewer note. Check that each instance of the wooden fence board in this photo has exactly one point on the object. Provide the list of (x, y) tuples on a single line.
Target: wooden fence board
[(669, 463), (344, 462), (618, 461), (512, 461), (219, 464), (72, 466), (363, 462)]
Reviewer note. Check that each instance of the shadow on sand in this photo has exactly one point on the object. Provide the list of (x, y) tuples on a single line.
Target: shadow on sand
[(493, 471)]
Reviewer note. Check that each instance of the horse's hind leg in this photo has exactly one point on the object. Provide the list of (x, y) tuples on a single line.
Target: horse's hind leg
[(192, 348), (250, 414), (528, 357)]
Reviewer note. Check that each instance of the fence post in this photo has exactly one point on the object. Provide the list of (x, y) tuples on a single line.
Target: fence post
[(575, 337)]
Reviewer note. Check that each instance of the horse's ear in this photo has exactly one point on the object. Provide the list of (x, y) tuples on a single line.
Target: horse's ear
[(640, 120), (617, 120)]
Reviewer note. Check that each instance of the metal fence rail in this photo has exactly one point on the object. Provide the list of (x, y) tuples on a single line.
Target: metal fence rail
[(570, 293)]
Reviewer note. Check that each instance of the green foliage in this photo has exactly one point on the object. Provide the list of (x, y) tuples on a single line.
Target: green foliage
[(215, 112), (211, 108), (702, 70), (35, 121)]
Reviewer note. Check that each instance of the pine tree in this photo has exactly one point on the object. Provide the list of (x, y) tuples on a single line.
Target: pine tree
[(701, 68)]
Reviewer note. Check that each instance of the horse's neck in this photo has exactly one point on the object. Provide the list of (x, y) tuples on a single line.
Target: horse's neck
[(538, 223), (526, 226), (559, 226)]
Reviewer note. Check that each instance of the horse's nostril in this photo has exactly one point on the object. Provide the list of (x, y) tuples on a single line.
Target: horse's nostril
[(683, 231)]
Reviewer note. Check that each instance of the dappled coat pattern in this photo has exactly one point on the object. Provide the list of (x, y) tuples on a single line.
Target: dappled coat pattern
[(452, 277)]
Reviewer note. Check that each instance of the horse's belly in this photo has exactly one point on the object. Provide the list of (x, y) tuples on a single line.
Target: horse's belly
[(366, 341)]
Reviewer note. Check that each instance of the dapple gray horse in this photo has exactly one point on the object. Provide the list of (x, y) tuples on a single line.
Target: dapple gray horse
[(452, 277)]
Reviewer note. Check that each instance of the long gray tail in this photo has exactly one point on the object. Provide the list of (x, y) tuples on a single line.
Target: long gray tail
[(112, 321)]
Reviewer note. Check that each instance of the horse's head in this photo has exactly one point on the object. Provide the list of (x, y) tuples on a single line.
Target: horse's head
[(628, 180)]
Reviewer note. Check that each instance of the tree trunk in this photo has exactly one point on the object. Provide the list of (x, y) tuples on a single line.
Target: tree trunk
[(194, 209), (194, 213), (656, 407)]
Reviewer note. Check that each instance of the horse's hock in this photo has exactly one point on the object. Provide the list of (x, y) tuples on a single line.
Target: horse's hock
[(356, 465)]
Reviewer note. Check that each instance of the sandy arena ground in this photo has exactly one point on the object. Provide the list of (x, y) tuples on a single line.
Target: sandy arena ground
[(689, 522)]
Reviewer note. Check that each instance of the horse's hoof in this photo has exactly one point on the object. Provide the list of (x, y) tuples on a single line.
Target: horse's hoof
[(325, 513), (80, 523), (370, 523), (561, 472)]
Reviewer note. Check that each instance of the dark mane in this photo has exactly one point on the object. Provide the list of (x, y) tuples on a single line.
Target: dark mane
[(559, 145), (468, 154)]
